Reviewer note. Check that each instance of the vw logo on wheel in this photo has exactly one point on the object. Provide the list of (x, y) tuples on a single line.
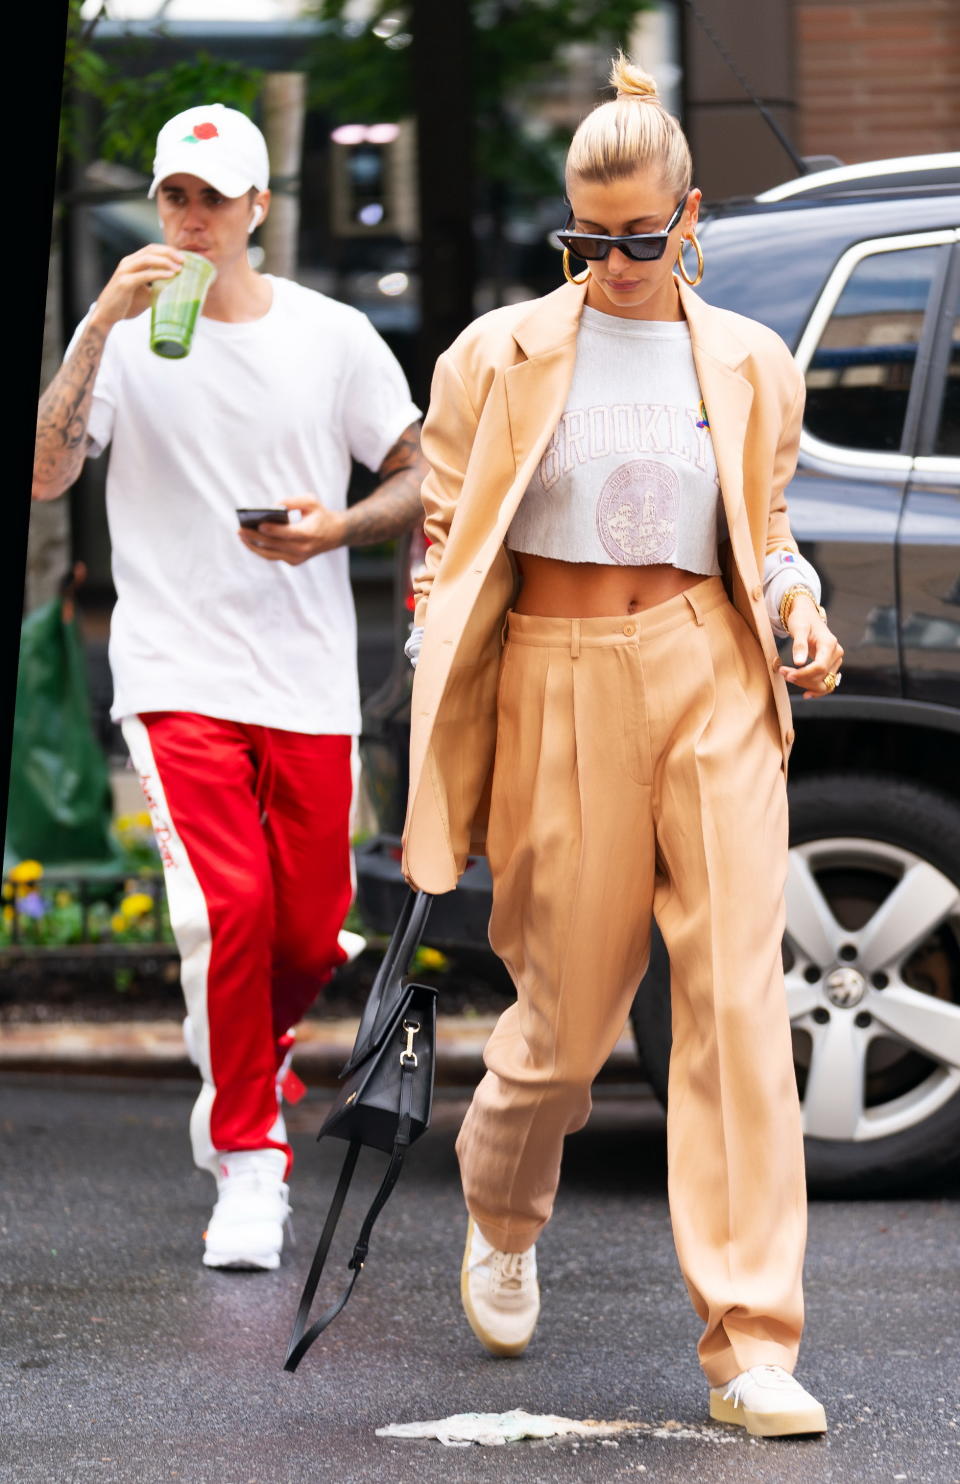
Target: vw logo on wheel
[(845, 987)]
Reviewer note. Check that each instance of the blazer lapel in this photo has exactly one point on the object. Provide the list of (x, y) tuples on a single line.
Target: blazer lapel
[(537, 387), (728, 396)]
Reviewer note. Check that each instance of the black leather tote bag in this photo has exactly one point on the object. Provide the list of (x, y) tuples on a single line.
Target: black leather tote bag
[(384, 1102)]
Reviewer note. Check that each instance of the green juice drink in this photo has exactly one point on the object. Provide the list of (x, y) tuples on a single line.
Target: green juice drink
[(176, 305)]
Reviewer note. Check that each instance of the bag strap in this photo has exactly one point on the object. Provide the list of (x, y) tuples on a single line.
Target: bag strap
[(398, 955), (301, 1339)]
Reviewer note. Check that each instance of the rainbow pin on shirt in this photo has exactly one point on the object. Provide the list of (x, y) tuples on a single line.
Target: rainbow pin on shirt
[(703, 421)]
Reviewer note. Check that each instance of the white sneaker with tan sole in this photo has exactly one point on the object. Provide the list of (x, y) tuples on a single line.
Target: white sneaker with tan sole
[(768, 1402), (500, 1294)]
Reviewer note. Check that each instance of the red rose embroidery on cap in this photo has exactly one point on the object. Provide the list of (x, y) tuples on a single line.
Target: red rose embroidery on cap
[(205, 131)]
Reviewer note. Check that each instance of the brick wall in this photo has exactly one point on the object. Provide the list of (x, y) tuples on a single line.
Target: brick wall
[(877, 78)]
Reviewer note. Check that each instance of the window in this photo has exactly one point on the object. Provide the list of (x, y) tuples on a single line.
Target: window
[(858, 380), (947, 442)]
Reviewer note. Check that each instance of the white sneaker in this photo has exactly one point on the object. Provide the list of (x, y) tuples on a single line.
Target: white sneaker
[(246, 1228), (768, 1402), (352, 944), (500, 1294)]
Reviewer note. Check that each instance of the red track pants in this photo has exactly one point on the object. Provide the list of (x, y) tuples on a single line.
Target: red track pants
[(253, 828)]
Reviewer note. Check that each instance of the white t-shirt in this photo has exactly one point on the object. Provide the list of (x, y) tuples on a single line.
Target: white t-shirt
[(258, 411), (629, 477)]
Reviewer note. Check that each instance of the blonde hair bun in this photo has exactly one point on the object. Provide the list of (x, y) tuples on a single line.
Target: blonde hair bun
[(617, 138), (631, 82)]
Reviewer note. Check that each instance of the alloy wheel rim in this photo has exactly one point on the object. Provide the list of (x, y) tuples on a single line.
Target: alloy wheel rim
[(852, 986)]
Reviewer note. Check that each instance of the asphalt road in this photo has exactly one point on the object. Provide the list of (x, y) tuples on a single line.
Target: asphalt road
[(125, 1360)]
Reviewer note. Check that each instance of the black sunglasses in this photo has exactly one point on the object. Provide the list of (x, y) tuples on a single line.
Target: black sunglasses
[(645, 247)]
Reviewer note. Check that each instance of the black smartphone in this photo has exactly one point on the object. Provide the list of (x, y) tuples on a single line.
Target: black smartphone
[(275, 515)]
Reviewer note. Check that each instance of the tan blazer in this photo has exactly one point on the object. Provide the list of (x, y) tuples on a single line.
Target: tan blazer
[(497, 395)]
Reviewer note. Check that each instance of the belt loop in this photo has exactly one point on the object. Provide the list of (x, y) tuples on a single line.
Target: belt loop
[(505, 629), (574, 638), (695, 604)]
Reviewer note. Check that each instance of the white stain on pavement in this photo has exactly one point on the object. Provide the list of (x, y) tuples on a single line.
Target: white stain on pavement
[(492, 1429)]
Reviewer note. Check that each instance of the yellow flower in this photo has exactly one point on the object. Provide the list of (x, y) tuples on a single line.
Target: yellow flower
[(118, 923), (8, 914), (27, 871), (7, 891), (143, 820), (136, 905), (432, 958), (63, 898)]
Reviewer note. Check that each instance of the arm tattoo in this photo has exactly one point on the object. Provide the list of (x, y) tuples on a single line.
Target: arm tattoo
[(63, 414), (395, 504), (403, 454)]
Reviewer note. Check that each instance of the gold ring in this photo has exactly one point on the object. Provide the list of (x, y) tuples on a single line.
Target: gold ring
[(831, 681)]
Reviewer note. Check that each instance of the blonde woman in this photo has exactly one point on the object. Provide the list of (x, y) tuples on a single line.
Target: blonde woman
[(599, 705)]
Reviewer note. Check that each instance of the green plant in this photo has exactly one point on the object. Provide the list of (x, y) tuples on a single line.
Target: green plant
[(56, 914)]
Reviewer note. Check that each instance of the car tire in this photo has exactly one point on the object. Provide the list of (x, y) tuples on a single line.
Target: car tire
[(872, 966)]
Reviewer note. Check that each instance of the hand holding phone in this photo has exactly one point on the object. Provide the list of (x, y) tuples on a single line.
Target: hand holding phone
[(311, 530)]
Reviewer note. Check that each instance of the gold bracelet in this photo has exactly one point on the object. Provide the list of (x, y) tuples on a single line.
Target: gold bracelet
[(790, 597)]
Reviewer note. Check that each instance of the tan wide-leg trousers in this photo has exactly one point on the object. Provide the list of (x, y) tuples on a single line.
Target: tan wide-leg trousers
[(638, 770)]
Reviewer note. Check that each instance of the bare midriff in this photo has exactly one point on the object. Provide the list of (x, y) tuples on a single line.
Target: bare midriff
[(553, 589)]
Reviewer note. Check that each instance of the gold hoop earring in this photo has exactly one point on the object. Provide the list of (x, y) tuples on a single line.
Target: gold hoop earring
[(566, 269), (699, 251)]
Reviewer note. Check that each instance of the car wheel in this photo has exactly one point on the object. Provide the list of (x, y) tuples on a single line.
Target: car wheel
[(872, 968)]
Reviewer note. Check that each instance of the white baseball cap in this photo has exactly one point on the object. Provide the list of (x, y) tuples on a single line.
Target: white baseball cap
[(215, 143)]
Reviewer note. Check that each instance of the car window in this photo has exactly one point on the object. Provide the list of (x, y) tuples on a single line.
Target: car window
[(947, 441), (858, 379)]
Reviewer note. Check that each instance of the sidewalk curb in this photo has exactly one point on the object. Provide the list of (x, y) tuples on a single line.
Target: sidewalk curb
[(155, 1049)]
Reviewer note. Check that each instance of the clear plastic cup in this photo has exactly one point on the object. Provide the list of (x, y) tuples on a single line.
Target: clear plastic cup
[(176, 304)]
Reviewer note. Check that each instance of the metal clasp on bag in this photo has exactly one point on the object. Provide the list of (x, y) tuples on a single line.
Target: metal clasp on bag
[(408, 1056)]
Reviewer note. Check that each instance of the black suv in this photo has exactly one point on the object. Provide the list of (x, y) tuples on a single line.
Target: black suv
[(858, 268)]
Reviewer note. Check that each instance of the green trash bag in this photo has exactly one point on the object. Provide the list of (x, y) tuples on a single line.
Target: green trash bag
[(60, 803)]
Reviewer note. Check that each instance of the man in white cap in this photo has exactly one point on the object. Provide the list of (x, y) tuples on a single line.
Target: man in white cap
[(233, 651)]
